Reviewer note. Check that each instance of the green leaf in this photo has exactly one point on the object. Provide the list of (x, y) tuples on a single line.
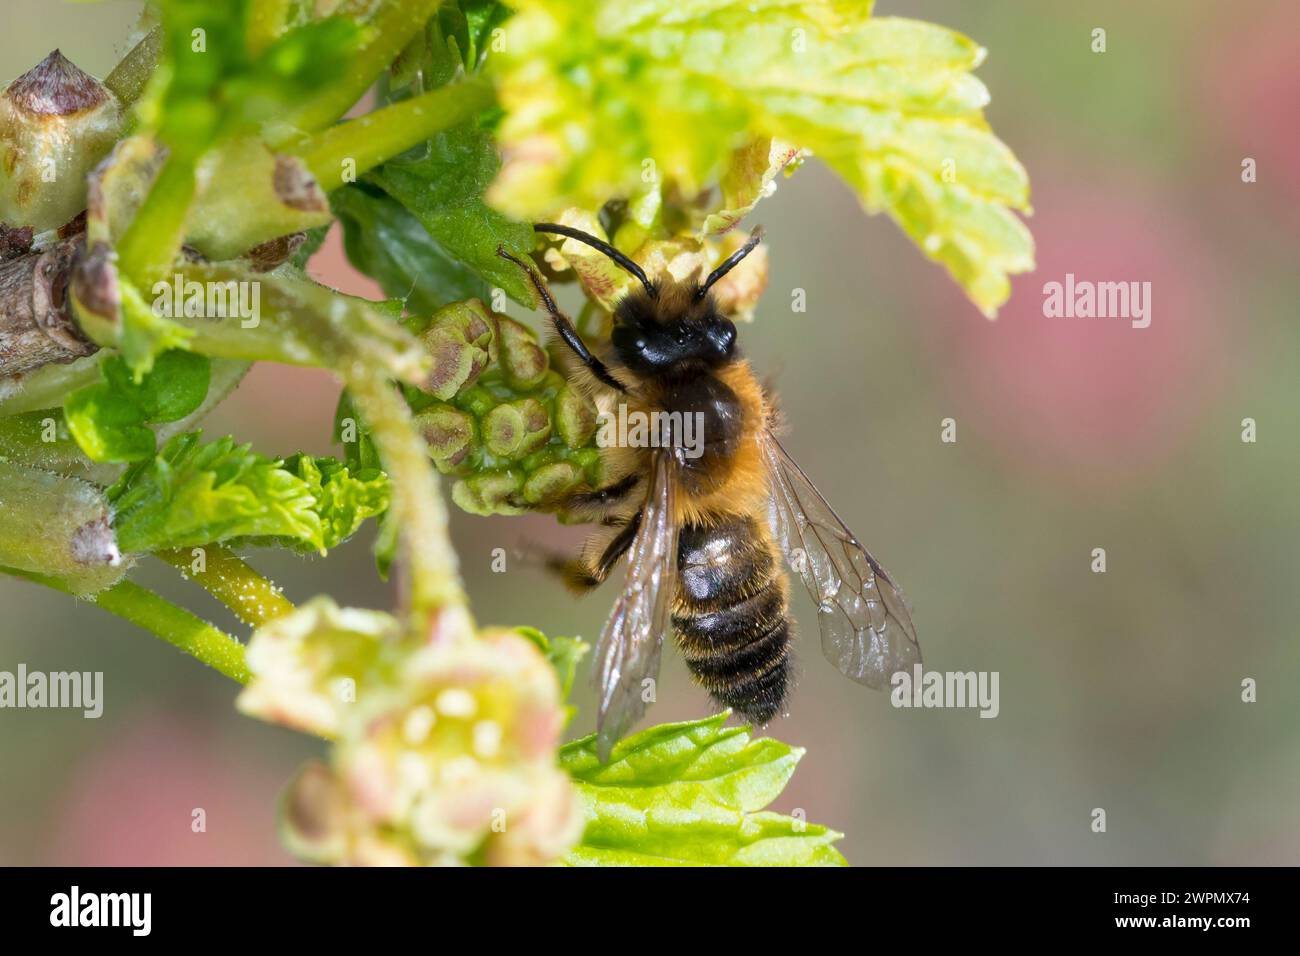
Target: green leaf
[(471, 23), (145, 334), (595, 101), (361, 456), (443, 191), (386, 242), (344, 499), (418, 224), (692, 794), (193, 494), (208, 85), (564, 653), (109, 419)]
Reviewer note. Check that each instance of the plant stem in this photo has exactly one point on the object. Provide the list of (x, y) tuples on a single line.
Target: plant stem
[(36, 328), (383, 134), (301, 323), (155, 614), (154, 238), (176, 626), (390, 29), (266, 21), (128, 79), (47, 386), (226, 576), (41, 438), (430, 565), (306, 324)]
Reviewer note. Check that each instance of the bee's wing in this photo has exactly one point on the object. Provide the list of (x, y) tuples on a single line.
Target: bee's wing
[(867, 630), (628, 651)]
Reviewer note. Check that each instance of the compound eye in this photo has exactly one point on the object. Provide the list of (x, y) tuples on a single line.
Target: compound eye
[(723, 337)]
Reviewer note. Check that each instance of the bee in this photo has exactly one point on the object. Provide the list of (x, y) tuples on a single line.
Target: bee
[(708, 530)]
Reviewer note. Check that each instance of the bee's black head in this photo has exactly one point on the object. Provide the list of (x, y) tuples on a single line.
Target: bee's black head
[(674, 328), (667, 324)]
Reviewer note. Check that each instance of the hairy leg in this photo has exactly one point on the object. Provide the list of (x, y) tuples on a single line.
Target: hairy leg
[(582, 574), (563, 327)]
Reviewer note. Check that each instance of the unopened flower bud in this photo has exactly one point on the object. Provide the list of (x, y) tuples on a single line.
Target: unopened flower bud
[(518, 435), (523, 361), (60, 526), (516, 429), (549, 482), (575, 416), (494, 492), (460, 338), (56, 123), (313, 816), (449, 433)]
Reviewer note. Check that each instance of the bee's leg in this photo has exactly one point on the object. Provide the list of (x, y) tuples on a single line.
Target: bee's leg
[(582, 574), (595, 504), (563, 327)]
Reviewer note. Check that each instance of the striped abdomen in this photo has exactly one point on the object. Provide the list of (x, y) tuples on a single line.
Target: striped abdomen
[(730, 615)]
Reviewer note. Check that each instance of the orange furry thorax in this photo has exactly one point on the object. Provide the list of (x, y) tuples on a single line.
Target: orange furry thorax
[(729, 484)]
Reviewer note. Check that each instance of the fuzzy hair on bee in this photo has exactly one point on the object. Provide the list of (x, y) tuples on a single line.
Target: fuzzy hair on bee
[(708, 532)]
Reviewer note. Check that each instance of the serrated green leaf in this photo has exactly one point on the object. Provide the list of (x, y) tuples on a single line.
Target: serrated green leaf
[(691, 794), (193, 494), (596, 101), (109, 418), (457, 38), (344, 499)]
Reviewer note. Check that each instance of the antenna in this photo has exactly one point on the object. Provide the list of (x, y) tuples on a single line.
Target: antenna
[(732, 261), (597, 244)]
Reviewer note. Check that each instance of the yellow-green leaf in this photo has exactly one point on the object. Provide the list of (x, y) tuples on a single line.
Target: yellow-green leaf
[(600, 104)]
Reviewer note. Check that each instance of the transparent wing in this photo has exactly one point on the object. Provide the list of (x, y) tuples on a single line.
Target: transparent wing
[(629, 646), (867, 630)]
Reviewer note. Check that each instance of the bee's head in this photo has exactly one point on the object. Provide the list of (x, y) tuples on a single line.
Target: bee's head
[(667, 323), (675, 327)]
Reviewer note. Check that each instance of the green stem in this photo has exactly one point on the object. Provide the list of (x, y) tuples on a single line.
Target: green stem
[(431, 568), (155, 614), (306, 324), (41, 438), (389, 29), (153, 240), (301, 323), (46, 387), (176, 626), (130, 76), (383, 134), (229, 579), (266, 21)]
